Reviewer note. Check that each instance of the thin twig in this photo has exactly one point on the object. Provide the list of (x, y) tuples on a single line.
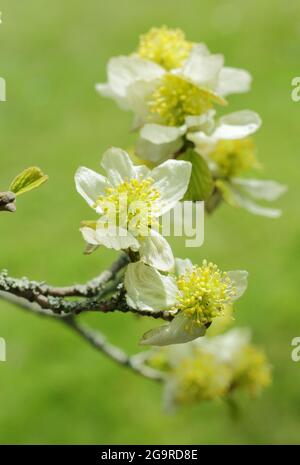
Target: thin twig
[(30, 290), (94, 338), (33, 292), (32, 307), (99, 342)]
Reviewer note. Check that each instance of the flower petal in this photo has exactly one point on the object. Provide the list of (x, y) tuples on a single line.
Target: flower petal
[(237, 197), (118, 165), (233, 81), (261, 189), (142, 171), (159, 134), (106, 91), (89, 235), (147, 289), (156, 251), (226, 347), (204, 121), (138, 94), (116, 238), (157, 153), (203, 68), (240, 281), (256, 209), (171, 180), (158, 142), (237, 125), (89, 184), (182, 329), (204, 144), (181, 266), (124, 70)]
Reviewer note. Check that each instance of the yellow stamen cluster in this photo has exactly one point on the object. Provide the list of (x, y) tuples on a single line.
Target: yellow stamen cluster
[(204, 293), (201, 378), (175, 98), (234, 156), (167, 47), (204, 376), (252, 370), (131, 202)]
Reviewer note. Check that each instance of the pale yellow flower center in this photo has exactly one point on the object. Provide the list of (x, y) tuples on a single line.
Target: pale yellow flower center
[(201, 378), (234, 156), (133, 202), (175, 98), (204, 293), (167, 47), (252, 370)]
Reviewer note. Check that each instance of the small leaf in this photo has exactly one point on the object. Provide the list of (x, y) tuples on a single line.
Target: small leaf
[(29, 179), (201, 182)]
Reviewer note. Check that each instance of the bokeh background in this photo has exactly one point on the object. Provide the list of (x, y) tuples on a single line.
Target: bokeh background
[(54, 388)]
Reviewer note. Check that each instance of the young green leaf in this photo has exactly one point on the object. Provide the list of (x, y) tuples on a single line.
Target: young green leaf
[(29, 179), (201, 182)]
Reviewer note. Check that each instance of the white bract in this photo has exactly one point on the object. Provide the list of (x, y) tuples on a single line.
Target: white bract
[(129, 201), (195, 295)]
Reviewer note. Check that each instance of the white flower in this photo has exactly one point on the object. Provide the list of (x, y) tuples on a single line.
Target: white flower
[(195, 297), (227, 346), (129, 201), (234, 126), (157, 142), (170, 98)]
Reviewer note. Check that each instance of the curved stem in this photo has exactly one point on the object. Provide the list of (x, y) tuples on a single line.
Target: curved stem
[(94, 338), (99, 342)]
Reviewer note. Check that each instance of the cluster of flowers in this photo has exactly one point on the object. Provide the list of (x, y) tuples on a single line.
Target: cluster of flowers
[(172, 86), (211, 368), (183, 151)]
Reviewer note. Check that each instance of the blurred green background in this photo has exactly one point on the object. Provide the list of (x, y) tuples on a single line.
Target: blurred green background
[(54, 388)]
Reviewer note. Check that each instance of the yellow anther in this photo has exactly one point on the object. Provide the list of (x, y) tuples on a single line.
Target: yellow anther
[(234, 156), (133, 200), (167, 47), (175, 98), (204, 292), (201, 378)]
